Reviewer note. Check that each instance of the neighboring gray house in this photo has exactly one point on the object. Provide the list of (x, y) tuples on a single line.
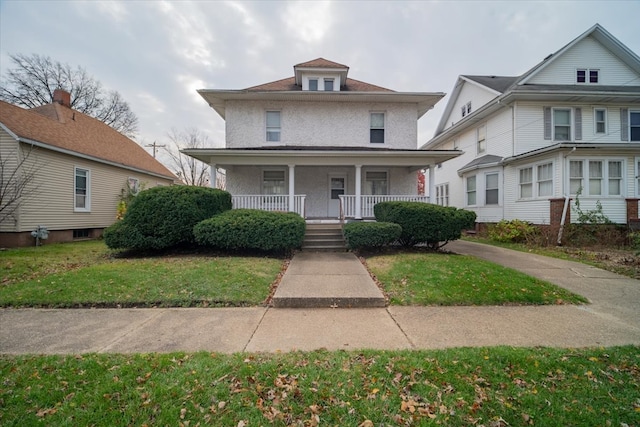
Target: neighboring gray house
[(320, 143), (532, 142)]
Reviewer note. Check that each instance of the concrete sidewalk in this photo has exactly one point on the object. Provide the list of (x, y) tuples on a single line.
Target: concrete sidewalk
[(612, 318)]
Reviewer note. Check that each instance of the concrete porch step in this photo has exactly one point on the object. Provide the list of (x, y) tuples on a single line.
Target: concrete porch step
[(324, 237)]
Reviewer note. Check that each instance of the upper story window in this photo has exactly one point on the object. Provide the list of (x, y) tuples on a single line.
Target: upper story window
[(466, 109), (313, 84), (377, 128), (634, 125), (273, 126), (82, 194), (585, 75), (600, 120), (328, 85), (561, 124), (482, 139)]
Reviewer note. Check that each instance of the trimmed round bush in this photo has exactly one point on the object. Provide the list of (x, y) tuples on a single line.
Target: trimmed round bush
[(163, 217), (425, 223), (371, 234), (250, 229)]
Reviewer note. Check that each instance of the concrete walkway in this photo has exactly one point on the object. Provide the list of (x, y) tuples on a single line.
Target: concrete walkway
[(612, 318)]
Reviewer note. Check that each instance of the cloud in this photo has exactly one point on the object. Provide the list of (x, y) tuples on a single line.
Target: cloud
[(308, 22)]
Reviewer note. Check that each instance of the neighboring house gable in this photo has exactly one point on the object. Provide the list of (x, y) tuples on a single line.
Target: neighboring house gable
[(562, 127), (77, 168)]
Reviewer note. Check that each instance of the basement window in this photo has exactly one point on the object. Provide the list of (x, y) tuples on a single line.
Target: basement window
[(82, 233)]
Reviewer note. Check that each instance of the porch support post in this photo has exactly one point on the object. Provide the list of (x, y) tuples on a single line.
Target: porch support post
[(432, 184), (358, 191), (292, 187), (213, 175)]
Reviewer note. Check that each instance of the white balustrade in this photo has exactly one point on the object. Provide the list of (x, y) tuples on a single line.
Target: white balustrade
[(272, 203), (348, 203)]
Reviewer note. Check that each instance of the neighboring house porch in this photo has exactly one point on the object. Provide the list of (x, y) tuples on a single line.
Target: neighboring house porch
[(334, 183)]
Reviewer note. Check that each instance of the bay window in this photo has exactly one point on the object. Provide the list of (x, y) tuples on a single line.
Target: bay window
[(596, 177), (471, 190)]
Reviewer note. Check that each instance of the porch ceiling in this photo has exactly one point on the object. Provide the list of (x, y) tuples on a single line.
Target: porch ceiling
[(413, 159)]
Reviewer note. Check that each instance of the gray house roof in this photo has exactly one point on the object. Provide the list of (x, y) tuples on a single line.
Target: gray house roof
[(481, 162), (497, 83)]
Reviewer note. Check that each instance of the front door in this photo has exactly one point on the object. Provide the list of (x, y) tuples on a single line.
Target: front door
[(337, 185)]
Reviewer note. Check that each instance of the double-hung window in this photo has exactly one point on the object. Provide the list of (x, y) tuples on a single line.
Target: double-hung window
[(600, 120), (634, 125), (82, 192), (562, 124), (596, 177), (442, 194), (376, 183), (471, 190), (328, 85), (273, 182), (584, 75), (526, 183), (482, 139), (377, 128), (273, 126), (313, 84), (544, 179), (491, 189)]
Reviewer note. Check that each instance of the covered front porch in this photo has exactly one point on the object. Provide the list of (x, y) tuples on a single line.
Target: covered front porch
[(336, 183)]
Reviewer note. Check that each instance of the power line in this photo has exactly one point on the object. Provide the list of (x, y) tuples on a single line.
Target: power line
[(155, 147)]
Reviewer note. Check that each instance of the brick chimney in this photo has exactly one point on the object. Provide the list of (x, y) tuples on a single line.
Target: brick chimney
[(62, 97)]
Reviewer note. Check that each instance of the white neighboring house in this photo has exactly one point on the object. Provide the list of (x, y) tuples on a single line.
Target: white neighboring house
[(533, 141), (320, 143)]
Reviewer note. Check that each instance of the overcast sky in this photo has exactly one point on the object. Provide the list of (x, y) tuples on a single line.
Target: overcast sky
[(157, 53)]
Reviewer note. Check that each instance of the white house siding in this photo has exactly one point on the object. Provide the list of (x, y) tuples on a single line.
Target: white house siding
[(53, 205), (588, 54), (313, 181), (342, 124), (470, 92)]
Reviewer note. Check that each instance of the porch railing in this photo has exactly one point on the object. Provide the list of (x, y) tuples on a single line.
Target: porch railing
[(273, 203), (348, 203)]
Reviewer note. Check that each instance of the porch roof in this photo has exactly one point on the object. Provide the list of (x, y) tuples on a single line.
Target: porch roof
[(320, 156)]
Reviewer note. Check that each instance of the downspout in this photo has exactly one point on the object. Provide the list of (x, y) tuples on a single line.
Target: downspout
[(567, 200)]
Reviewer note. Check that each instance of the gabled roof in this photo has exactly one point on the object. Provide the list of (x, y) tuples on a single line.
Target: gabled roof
[(485, 161), (519, 88), (62, 129), (290, 89)]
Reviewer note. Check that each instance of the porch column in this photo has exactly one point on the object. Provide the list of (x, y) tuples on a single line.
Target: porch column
[(213, 175), (432, 184), (358, 191), (292, 187)]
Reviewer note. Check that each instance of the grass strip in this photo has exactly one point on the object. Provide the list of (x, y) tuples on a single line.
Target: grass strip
[(425, 278), (456, 387)]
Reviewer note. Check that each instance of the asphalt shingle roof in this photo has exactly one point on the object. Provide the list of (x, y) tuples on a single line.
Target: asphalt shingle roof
[(65, 128)]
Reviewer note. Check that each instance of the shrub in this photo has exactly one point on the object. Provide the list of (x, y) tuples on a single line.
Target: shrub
[(248, 229), (163, 217), (371, 234), (634, 241), (515, 230), (424, 222)]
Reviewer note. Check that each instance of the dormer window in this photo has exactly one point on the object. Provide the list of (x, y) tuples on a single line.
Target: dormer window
[(328, 85), (313, 84), (584, 75), (466, 109)]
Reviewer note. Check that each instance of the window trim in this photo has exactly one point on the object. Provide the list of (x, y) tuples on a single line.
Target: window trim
[(553, 123), (604, 178), (328, 80), (595, 121), (377, 128), (630, 125), (486, 188), (474, 191), (481, 144), (273, 129), (87, 195), (442, 194), (587, 76), (365, 180), (284, 180)]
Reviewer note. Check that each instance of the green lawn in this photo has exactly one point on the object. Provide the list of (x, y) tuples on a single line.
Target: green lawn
[(87, 274), (423, 278), (457, 387)]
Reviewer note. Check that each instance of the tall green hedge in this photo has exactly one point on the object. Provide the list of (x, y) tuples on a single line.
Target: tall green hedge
[(249, 229), (371, 234), (425, 223), (163, 217)]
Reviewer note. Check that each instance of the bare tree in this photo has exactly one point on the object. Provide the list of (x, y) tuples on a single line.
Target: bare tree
[(17, 180), (188, 169), (34, 78)]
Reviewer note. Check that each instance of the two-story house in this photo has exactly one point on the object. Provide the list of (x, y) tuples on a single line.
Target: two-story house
[(569, 127), (320, 143)]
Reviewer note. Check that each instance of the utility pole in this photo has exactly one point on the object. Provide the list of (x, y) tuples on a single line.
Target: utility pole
[(155, 147)]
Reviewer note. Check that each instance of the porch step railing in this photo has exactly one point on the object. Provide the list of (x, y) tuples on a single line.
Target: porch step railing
[(348, 204), (273, 203)]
